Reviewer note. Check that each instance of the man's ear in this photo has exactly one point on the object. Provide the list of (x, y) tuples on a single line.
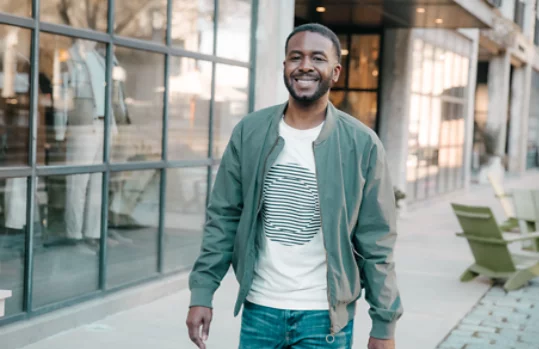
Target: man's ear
[(337, 70)]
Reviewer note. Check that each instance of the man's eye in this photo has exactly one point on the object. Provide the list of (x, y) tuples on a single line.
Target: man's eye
[(318, 58), (294, 58)]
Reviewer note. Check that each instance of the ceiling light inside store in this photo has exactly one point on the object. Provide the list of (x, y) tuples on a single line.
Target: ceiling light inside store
[(320, 9), (420, 10), (375, 73), (439, 21), (344, 52)]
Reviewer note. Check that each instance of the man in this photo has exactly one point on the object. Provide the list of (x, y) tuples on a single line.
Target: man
[(303, 208)]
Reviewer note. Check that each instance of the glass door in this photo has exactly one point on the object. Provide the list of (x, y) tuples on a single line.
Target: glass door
[(357, 90)]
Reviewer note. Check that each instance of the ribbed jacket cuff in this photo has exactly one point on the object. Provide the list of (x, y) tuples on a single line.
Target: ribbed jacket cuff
[(383, 329), (201, 297)]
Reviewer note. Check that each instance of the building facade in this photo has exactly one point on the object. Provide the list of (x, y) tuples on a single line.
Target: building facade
[(114, 115), (113, 118)]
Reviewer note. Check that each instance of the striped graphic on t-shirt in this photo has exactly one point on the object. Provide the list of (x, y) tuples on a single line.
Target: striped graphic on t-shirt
[(291, 209)]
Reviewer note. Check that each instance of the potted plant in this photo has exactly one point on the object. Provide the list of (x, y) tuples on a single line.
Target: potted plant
[(399, 195), (491, 160)]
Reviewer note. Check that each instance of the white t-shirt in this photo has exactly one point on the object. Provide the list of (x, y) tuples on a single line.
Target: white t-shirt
[(291, 271)]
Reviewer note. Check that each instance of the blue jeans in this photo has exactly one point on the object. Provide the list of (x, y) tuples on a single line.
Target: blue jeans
[(269, 328)]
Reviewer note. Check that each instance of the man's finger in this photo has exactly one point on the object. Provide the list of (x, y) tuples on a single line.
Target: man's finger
[(194, 334), (205, 328)]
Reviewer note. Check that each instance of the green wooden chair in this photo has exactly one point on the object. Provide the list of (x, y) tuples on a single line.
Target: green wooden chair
[(511, 223), (490, 249), (526, 204)]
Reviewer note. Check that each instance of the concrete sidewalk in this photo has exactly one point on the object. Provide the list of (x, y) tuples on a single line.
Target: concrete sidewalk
[(430, 259)]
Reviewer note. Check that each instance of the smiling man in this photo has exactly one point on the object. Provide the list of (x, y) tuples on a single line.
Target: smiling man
[(303, 208)]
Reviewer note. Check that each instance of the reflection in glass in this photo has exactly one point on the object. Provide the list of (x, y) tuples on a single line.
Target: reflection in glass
[(18, 8), (345, 52), (192, 25), (137, 90), (12, 241), (14, 95), (75, 13), (185, 215), (439, 58), (234, 33), (427, 67), (189, 108), (67, 231), (231, 103), (72, 101), (361, 105), (417, 59), (133, 224), (141, 19), (364, 61)]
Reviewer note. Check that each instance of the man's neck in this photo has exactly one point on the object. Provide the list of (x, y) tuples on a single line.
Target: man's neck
[(305, 116)]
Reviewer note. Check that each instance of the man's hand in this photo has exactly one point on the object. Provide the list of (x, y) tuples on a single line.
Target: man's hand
[(375, 343), (197, 317)]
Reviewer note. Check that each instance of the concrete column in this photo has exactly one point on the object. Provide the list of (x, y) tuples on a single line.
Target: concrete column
[(395, 101), (275, 22), (498, 91), (519, 115), (472, 34)]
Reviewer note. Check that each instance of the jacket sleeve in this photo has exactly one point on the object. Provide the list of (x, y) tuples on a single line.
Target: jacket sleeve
[(374, 240), (223, 215)]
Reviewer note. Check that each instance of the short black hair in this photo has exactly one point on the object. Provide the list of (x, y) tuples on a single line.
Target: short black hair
[(320, 29)]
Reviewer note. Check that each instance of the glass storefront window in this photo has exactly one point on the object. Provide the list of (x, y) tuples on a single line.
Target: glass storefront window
[(137, 95), (361, 105), (234, 29), (18, 8), (185, 216), (63, 142), (71, 101), (141, 19), (437, 113), (189, 101), (12, 241), (14, 95), (364, 65), (67, 231), (231, 103), (132, 226), (79, 14), (192, 25)]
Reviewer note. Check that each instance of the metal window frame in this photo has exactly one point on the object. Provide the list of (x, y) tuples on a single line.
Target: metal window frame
[(33, 171)]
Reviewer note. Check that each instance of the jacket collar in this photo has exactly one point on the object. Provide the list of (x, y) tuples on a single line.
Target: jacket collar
[(329, 125)]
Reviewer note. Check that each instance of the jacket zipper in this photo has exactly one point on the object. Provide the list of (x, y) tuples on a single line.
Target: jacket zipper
[(264, 176), (332, 334), (264, 179)]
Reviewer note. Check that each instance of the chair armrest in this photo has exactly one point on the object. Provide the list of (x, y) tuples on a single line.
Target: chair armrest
[(523, 237), (484, 240)]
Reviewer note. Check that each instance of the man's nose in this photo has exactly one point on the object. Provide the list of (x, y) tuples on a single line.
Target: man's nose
[(306, 65)]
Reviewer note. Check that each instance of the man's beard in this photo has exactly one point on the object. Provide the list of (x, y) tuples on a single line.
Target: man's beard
[(322, 89)]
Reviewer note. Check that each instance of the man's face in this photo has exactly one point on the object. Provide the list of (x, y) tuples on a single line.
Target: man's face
[(310, 66)]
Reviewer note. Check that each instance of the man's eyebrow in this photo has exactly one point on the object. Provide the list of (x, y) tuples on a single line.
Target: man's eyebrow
[(316, 52)]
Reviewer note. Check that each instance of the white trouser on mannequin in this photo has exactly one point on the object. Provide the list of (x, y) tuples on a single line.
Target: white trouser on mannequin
[(15, 203), (83, 191)]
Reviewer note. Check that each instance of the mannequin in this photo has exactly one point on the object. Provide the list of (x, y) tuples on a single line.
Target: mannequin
[(79, 94)]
